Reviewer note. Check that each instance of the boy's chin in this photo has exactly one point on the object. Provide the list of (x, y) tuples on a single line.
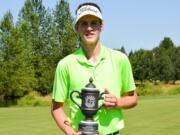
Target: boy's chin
[(90, 42)]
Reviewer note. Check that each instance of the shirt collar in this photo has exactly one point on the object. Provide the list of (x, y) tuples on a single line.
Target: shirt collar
[(80, 56)]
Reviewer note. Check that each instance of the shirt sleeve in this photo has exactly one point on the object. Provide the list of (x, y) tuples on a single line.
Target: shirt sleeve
[(61, 83), (128, 83)]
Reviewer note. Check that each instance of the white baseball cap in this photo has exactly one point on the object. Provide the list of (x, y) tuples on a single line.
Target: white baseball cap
[(88, 10)]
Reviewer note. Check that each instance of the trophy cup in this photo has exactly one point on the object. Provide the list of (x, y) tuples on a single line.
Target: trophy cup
[(89, 96)]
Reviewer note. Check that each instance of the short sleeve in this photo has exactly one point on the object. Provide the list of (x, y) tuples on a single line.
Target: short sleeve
[(128, 83), (61, 83)]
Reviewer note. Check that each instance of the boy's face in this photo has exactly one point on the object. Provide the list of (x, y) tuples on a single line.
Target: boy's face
[(89, 28)]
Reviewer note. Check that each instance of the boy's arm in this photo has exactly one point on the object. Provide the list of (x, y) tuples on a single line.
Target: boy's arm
[(128, 101), (61, 118)]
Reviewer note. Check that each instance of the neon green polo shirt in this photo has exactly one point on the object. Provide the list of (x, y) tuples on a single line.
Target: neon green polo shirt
[(113, 72)]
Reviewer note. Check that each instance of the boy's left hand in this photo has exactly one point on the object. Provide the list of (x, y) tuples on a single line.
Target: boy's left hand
[(110, 100)]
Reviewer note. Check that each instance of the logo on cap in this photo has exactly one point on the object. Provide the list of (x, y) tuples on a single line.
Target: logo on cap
[(84, 9)]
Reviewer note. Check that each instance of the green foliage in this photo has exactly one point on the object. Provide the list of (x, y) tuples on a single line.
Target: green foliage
[(141, 64), (34, 99), (161, 63), (149, 89), (64, 29), (15, 77), (176, 60), (166, 43), (33, 16), (175, 91), (31, 48)]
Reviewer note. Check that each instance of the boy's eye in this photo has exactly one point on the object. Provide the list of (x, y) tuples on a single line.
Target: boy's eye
[(94, 23), (84, 23)]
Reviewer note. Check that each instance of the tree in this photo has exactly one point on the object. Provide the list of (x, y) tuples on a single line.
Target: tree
[(168, 49), (166, 43), (16, 77), (141, 64), (6, 27), (177, 63), (34, 19), (122, 49), (48, 38), (163, 67), (130, 54), (65, 34)]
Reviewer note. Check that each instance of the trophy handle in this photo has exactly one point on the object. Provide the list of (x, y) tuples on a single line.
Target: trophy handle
[(101, 98), (71, 95)]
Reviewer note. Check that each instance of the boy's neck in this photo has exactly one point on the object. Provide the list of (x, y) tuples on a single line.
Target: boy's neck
[(92, 52)]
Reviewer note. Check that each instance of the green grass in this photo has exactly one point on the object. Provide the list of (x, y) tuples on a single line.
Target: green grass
[(158, 115), (155, 115), (27, 121)]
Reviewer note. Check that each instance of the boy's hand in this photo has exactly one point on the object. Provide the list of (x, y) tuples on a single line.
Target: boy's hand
[(110, 100)]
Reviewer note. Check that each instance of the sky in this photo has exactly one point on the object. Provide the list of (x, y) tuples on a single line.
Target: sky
[(134, 24)]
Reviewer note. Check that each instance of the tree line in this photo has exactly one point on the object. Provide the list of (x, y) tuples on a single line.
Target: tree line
[(162, 63), (31, 48)]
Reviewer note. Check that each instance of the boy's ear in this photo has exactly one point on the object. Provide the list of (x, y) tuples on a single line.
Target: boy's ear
[(102, 27)]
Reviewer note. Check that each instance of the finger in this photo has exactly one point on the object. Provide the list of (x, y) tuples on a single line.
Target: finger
[(110, 99), (79, 133), (109, 104), (76, 133), (109, 96)]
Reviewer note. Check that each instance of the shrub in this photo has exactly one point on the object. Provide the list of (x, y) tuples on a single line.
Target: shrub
[(150, 89), (175, 91), (34, 99)]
